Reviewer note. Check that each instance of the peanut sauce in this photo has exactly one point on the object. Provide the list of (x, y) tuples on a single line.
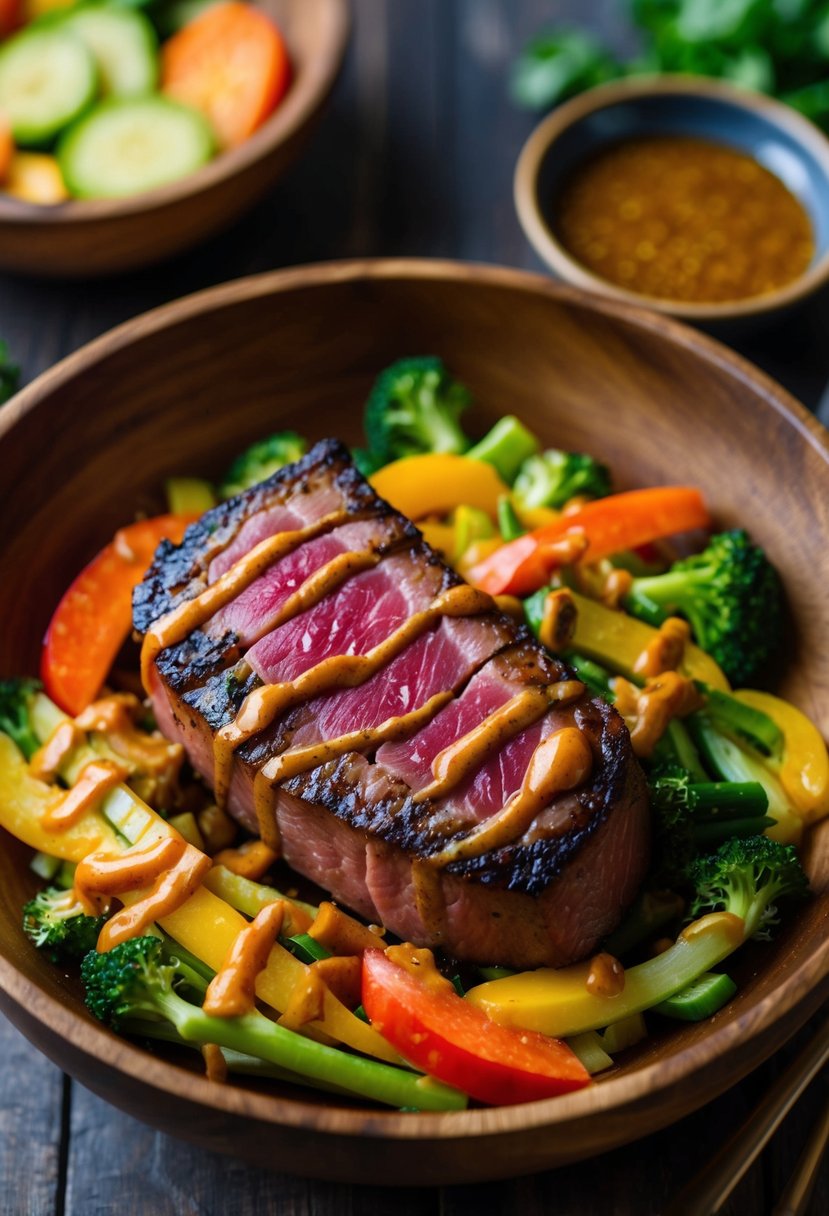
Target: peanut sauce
[(172, 889), (461, 758), (606, 976), (96, 779), (50, 758), (666, 650), (302, 759), (561, 762), (420, 962), (558, 620), (192, 614), (647, 711), (215, 1065), (100, 875), (681, 218), (251, 860), (261, 707), (341, 933), (232, 991)]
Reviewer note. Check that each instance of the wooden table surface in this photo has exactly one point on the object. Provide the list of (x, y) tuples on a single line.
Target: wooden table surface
[(415, 157)]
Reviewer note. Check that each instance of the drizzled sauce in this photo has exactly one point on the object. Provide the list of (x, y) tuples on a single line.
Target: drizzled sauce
[(192, 614), (96, 780), (666, 650), (264, 705), (561, 762), (461, 758), (232, 991), (647, 711), (99, 875), (172, 888)]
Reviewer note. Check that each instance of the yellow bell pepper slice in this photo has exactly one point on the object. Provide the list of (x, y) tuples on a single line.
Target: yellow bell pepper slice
[(437, 482), (804, 768), (23, 802), (439, 535), (617, 640)]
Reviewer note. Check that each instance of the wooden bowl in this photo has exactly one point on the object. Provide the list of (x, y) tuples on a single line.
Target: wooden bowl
[(772, 133), (100, 237), (184, 388)]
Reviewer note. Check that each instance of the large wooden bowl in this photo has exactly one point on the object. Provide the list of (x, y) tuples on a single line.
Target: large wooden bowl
[(105, 236), (183, 389)]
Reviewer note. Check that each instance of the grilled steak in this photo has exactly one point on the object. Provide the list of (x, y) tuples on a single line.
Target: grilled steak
[(310, 627)]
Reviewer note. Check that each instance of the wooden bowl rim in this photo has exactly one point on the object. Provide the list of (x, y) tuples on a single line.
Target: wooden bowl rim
[(616, 1091), (307, 91), (545, 243)]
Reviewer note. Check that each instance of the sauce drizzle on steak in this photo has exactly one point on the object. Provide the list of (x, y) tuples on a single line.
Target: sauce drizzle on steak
[(308, 689)]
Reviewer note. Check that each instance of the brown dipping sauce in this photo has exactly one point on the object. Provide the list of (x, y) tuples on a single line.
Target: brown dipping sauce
[(681, 218)]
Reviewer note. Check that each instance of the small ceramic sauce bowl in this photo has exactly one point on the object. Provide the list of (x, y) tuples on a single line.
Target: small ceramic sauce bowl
[(773, 134)]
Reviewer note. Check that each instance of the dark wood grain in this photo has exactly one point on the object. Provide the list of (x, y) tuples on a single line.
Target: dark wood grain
[(31, 1118), (429, 73)]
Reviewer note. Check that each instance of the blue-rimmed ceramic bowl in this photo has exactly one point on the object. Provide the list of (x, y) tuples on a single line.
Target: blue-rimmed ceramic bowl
[(775, 135)]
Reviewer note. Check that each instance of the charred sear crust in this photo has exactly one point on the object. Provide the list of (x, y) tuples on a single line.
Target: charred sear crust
[(179, 572), (399, 820), (210, 679)]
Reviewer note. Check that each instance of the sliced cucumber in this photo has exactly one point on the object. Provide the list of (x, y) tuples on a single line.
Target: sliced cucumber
[(125, 147), (708, 993), (47, 78), (124, 46)]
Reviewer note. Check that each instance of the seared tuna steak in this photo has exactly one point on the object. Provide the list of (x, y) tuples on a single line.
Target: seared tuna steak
[(408, 747)]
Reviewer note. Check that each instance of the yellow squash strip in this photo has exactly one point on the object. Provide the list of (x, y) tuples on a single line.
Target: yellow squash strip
[(204, 925), (24, 800), (617, 640), (804, 771), (436, 483), (559, 1003)]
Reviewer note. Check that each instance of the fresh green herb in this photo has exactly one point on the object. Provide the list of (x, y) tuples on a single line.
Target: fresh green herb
[(774, 46)]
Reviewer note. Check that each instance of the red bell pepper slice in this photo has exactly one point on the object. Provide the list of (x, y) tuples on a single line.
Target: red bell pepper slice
[(94, 617), (610, 525), (437, 1031)]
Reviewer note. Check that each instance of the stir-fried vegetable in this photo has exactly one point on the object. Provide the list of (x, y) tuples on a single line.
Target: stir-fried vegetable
[(609, 525), (94, 617)]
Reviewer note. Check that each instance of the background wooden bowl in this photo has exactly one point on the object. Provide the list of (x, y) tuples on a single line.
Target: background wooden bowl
[(105, 236), (181, 390)]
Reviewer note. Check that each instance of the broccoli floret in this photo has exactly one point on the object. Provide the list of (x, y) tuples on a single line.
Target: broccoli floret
[(748, 877), (732, 597), (56, 923), (16, 697), (552, 478), (9, 374), (262, 459), (415, 406), (135, 984), (693, 816)]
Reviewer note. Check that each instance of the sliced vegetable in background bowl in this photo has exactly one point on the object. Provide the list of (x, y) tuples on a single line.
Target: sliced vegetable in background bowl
[(83, 82)]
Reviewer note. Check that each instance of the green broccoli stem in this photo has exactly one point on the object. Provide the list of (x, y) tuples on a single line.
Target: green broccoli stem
[(713, 832), (255, 1035), (657, 596), (727, 799), (650, 912), (506, 446), (238, 1062), (734, 717)]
